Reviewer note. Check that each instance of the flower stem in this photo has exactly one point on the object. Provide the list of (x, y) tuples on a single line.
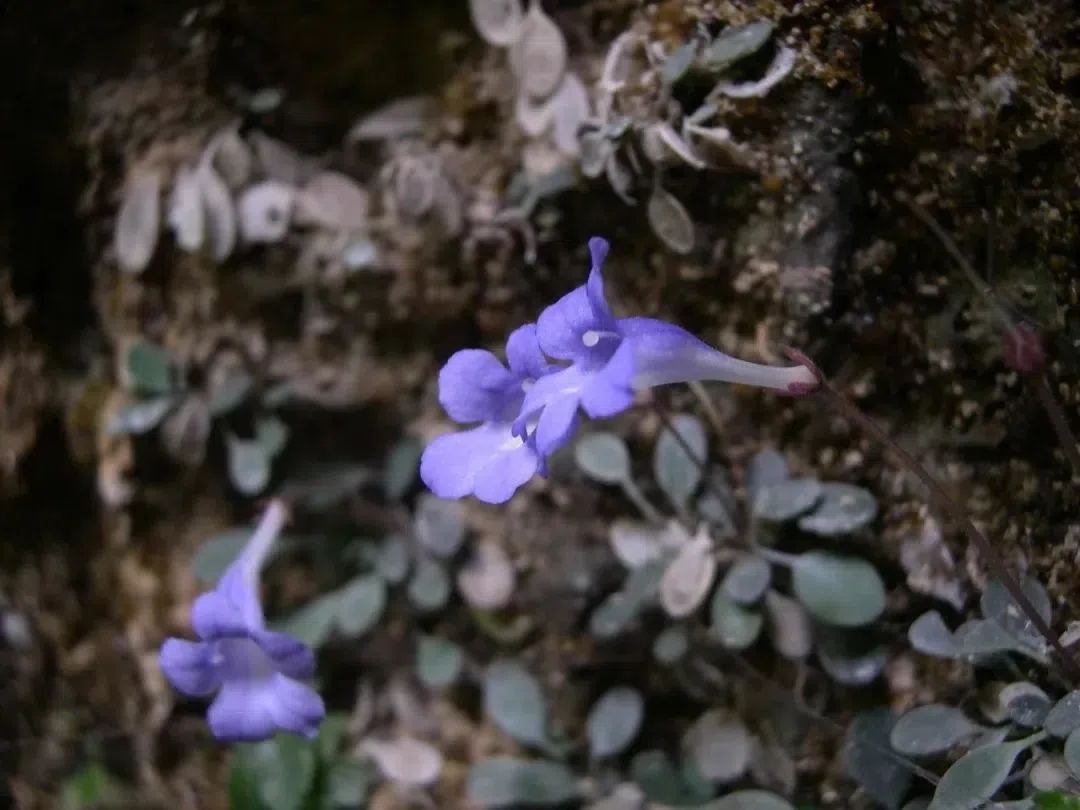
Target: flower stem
[(830, 394), (258, 547), (633, 492), (1057, 418)]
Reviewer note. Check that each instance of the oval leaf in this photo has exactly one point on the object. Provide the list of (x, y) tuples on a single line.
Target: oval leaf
[(439, 525), (866, 759), (844, 508), (976, 776), (733, 625), (787, 499), (678, 469), (249, 465), (844, 591), (148, 367), (931, 729), (603, 457), (513, 700), (429, 588), (614, 721), (747, 580), (1064, 717), (503, 781), (438, 662), (360, 604), (929, 634)]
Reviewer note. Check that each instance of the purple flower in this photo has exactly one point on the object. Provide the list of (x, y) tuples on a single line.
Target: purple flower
[(489, 461), (611, 358), (255, 672)]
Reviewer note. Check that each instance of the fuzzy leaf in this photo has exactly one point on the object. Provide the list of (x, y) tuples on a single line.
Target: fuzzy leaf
[(439, 663), (614, 721), (843, 509), (931, 729), (149, 368), (678, 472), (603, 457), (513, 700), (866, 744), (504, 781), (843, 591), (976, 776)]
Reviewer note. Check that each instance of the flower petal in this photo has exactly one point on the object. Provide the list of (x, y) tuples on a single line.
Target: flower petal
[(552, 402), (524, 355), (296, 707), (611, 389), (243, 711), (474, 386), (289, 655), (664, 353), (189, 667), (451, 464), (231, 610), (598, 251), (499, 479)]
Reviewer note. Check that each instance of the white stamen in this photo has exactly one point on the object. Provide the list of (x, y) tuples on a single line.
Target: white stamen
[(590, 338), (512, 444), (526, 384)]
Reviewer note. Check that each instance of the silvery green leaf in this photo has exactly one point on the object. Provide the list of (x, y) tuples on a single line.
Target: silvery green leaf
[(848, 660), (786, 499), (401, 467), (931, 729), (635, 543), (657, 777), (985, 637), (976, 776), (678, 472), (315, 621), (1064, 717), (439, 525), (614, 721), (360, 604), (438, 662), (217, 553), (678, 62), (348, 783), (249, 466), (790, 629), (746, 581), (230, 395), (513, 700), (670, 221), (867, 761), (929, 634), (323, 486), (272, 434), (999, 606), (735, 43), (1072, 752), (504, 781), (392, 561), (843, 591), (766, 468), (1025, 704), (613, 616), (430, 586), (750, 800), (286, 769), (719, 745), (603, 457), (733, 625), (843, 509), (671, 645), (149, 369), (140, 417)]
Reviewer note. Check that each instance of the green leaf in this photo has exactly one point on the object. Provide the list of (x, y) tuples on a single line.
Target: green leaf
[(149, 368), (678, 472), (272, 435), (285, 767), (787, 499), (866, 759), (392, 561), (678, 62), (504, 781), (999, 607), (749, 800), (1057, 800), (1072, 752), (671, 645), (657, 777), (843, 591), (243, 786), (360, 605), (429, 588), (747, 580), (616, 612), (349, 783), (977, 776), (249, 466), (439, 663), (230, 395), (1064, 717), (603, 457), (90, 786), (614, 721), (929, 634), (766, 468), (733, 625), (314, 622), (843, 509), (140, 417), (736, 42), (217, 553), (401, 467), (439, 525), (513, 700), (331, 734), (931, 729)]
